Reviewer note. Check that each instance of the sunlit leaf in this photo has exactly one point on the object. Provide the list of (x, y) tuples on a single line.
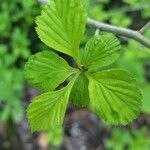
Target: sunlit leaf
[(46, 70), (61, 25), (47, 111), (115, 96), (100, 51)]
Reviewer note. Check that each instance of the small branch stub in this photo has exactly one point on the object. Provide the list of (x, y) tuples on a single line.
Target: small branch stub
[(145, 28)]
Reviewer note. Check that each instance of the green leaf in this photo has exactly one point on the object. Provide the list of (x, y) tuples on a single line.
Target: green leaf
[(55, 136), (61, 25), (100, 51), (46, 70), (79, 93), (115, 96), (47, 111)]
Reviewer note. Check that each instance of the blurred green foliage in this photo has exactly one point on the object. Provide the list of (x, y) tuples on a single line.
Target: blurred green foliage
[(11, 86), (99, 11), (143, 5), (16, 28), (137, 139)]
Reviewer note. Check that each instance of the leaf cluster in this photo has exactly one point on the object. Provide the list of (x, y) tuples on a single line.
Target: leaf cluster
[(113, 93)]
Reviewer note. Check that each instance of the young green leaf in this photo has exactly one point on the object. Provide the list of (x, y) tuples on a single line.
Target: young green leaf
[(115, 96), (79, 94), (47, 110), (46, 70), (100, 51), (62, 24)]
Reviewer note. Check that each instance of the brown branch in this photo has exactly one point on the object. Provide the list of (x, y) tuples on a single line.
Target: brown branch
[(136, 35)]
